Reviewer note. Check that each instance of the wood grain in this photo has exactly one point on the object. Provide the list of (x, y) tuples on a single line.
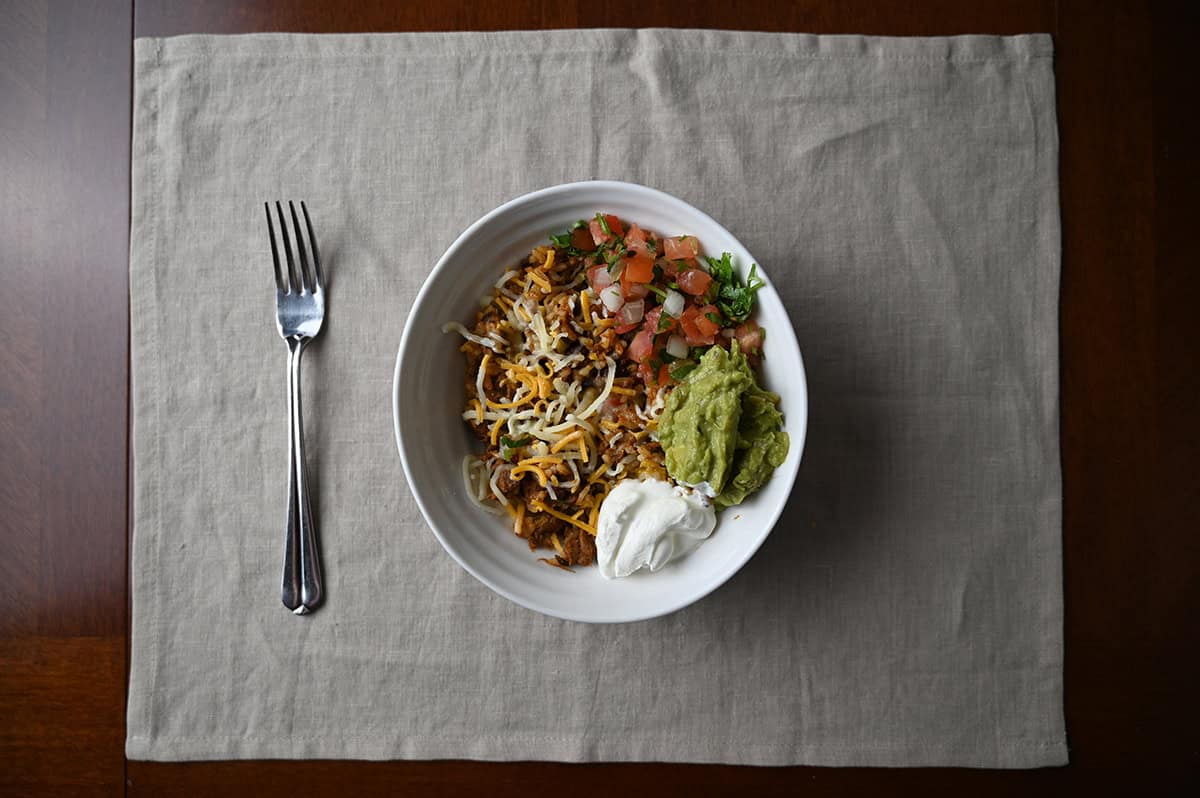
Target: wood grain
[(64, 196), (62, 719), (1129, 341), (66, 74)]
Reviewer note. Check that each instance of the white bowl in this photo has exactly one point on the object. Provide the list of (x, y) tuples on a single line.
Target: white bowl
[(427, 398)]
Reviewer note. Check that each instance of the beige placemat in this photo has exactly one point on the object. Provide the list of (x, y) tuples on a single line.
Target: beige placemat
[(902, 193)]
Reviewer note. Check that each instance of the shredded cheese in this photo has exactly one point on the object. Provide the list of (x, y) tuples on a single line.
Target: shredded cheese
[(562, 442), (608, 384), (585, 304), (454, 326), (591, 530), (500, 497), (517, 402), (541, 460), (532, 469)]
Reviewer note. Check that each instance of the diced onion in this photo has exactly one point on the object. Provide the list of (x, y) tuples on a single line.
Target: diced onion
[(601, 279), (674, 303), (677, 346), (612, 297), (631, 313)]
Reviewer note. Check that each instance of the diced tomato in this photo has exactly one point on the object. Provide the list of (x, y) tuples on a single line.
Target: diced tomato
[(598, 234), (694, 281), (621, 329), (581, 238), (749, 336), (635, 240), (641, 347), (679, 247), (691, 330), (704, 324), (687, 321), (654, 320), (664, 375), (646, 372), (634, 290), (638, 269), (669, 267)]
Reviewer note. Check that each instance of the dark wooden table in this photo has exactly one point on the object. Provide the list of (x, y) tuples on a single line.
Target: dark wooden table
[(1129, 338)]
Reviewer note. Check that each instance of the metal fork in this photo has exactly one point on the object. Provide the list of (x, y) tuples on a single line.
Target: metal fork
[(299, 312)]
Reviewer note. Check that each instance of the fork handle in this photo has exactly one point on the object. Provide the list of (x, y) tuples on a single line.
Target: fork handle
[(302, 588)]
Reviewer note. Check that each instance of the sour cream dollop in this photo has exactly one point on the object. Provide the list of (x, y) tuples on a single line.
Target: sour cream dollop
[(648, 523)]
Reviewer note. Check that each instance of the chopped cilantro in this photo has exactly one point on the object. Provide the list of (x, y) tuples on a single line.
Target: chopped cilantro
[(661, 294), (603, 224), (713, 317), (664, 322), (509, 446), (732, 298), (613, 259), (667, 357), (721, 270)]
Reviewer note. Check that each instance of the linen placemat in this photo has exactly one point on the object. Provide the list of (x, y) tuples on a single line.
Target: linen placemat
[(901, 193)]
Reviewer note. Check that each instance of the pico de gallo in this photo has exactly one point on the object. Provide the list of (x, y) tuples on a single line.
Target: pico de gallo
[(676, 301)]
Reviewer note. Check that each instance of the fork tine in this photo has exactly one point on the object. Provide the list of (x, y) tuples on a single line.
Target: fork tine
[(274, 248), (312, 242), (293, 283), (301, 251)]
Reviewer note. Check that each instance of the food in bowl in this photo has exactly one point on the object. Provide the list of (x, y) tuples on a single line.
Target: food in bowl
[(610, 377)]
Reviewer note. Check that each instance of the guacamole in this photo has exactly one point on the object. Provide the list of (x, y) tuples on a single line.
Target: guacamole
[(720, 428)]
